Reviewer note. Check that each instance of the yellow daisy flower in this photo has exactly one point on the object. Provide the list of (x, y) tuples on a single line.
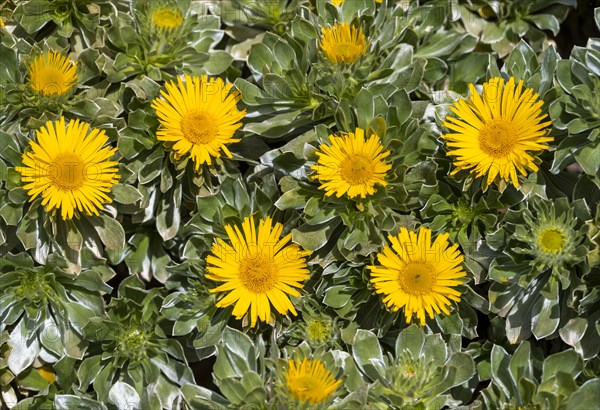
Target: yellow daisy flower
[(551, 240), (318, 330), (52, 74), (343, 43), (417, 275), (309, 381), (494, 131), (167, 18), (257, 269), (69, 167), (198, 117), (351, 165)]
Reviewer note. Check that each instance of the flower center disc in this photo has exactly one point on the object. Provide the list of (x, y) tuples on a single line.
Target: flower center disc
[(348, 49), (356, 169), (258, 273), (198, 127), (67, 172), (307, 384), (167, 18), (416, 278), (498, 138), (318, 330), (132, 344), (51, 81), (552, 240)]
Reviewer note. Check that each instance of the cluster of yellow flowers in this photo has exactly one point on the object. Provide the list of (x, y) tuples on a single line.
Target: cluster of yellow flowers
[(493, 134), (70, 167)]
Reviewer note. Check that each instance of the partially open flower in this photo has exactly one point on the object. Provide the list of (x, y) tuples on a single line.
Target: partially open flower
[(52, 74), (309, 381), (167, 18), (343, 43)]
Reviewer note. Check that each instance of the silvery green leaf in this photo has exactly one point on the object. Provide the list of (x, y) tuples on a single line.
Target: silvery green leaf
[(368, 354), (25, 348), (124, 396)]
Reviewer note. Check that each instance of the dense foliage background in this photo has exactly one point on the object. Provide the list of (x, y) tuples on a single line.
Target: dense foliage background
[(113, 311)]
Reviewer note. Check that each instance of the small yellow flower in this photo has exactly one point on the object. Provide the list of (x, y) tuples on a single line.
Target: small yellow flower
[(167, 18), (198, 117), (69, 167), (47, 374), (343, 43), (319, 330), (52, 74), (552, 240), (417, 275), (351, 165), (309, 381), (258, 269), (495, 130)]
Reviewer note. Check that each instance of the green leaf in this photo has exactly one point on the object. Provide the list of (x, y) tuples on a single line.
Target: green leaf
[(564, 75), (546, 22), (411, 339), (311, 237), (25, 349), (233, 390), (464, 365), (470, 68), (87, 371), (441, 43), (367, 354), (124, 397), (354, 7), (291, 200), (548, 69), (110, 231), (254, 388), (259, 58), (435, 349), (33, 236), (11, 213), (72, 402), (51, 337), (197, 396), (125, 194), (169, 217), (573, 331), (545, 313), (589, 159), (520, 363), (218, 62), (499, 360), (338, 296), (280, 124), (568, 361), (32, 380), (586, 397), (559, 384), (79, 315), (364, 108), (236, 355)]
